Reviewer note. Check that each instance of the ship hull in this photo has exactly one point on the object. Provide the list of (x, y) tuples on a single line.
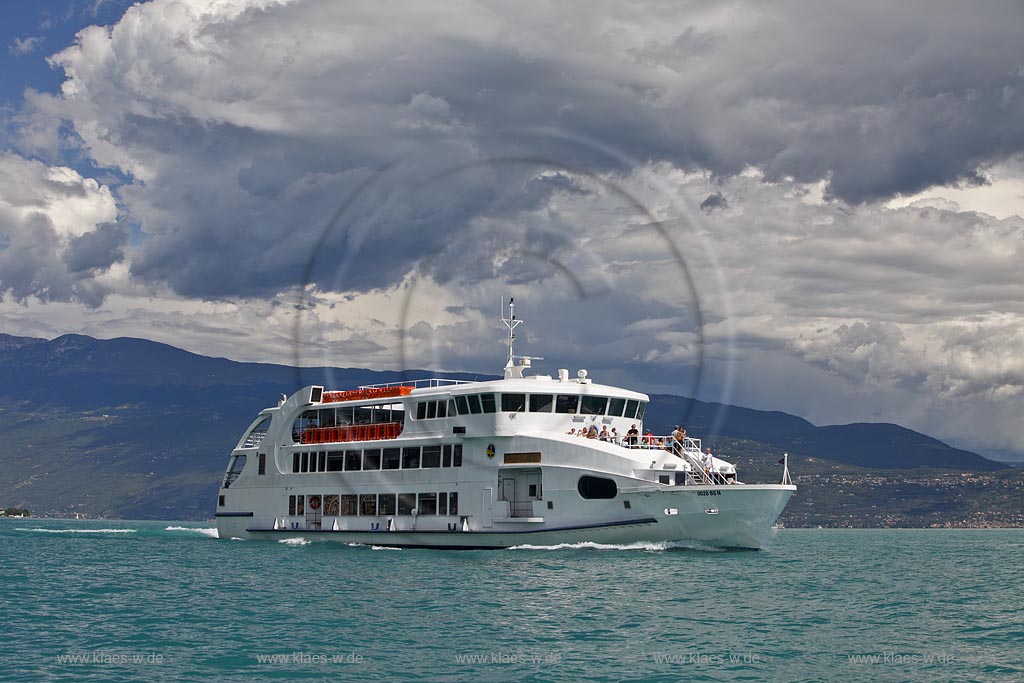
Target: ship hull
[(726, 516)]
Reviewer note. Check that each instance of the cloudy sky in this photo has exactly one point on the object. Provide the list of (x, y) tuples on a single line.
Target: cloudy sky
[(814, 208)]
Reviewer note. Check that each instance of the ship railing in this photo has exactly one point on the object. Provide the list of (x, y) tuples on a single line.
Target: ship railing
[(687, 449), (425, 383), (254, 439), (342, 434)]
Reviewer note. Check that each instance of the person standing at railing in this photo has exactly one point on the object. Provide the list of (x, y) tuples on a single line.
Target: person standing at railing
[(632, 436), (708, 461)]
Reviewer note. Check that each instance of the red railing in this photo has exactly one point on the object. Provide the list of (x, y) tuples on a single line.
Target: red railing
[(374, 432), (365, 394)]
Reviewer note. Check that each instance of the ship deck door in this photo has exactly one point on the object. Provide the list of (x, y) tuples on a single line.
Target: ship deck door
[(521, 487)]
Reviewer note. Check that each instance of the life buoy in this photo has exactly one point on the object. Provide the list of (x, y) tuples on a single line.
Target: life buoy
[(314, 502)]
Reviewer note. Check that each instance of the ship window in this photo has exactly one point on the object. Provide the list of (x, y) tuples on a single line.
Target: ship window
[(291, 505), (386, 504), (593, 405), (596, 487), (300, 505), (447, 458), (322, 462), (487, 401), (262, 464), (427, 504), (631, 407), (392, 457), (335, 461), (616, 407), (371, 459), (331, 505), (353, 460), (452, 412), (327, 417), (431, 456), (346, 416), (421, 411), (442, 408), (513, 403), (304, 467), (442, 503), (474, 403), (457, 455), (349, 504), (567, 403), (295, 461), (462, 405), (410, 458), (453, 503), (368, 504), (541, 403), (640, 411), (431, 410), (220, 500), (406, 502)]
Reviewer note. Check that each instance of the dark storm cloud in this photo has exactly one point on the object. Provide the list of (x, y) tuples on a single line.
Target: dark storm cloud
[(100, 248), (241, 161)]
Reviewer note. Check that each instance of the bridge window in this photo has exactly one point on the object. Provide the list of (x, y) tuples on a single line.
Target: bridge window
[(541, 403), (640, 411), (474, 404), (593, 405), (392, 458), (616, 406), (421, 410), (596, 488), (487, 401), (631, 407), (462, 404), (513, 403), (567, 403), (431, 410)]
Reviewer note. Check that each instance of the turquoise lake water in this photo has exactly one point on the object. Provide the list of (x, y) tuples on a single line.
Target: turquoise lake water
[(165, 601)]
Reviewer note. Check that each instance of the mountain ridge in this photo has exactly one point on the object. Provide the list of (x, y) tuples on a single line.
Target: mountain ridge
[(131, 427)]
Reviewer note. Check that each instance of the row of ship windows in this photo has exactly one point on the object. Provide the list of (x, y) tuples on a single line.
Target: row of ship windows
[(408, 458), (571, 404), (373, 504)]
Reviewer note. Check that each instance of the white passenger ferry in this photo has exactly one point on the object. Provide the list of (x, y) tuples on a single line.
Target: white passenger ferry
[(452, 464)]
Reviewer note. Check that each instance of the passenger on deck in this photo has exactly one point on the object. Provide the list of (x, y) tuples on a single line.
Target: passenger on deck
[(604, 435), (592, 433), (632, 436), (572, 431), (615, 436), (649, 438)]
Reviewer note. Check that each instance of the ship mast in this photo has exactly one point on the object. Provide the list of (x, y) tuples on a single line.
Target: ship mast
[(513, 371)]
